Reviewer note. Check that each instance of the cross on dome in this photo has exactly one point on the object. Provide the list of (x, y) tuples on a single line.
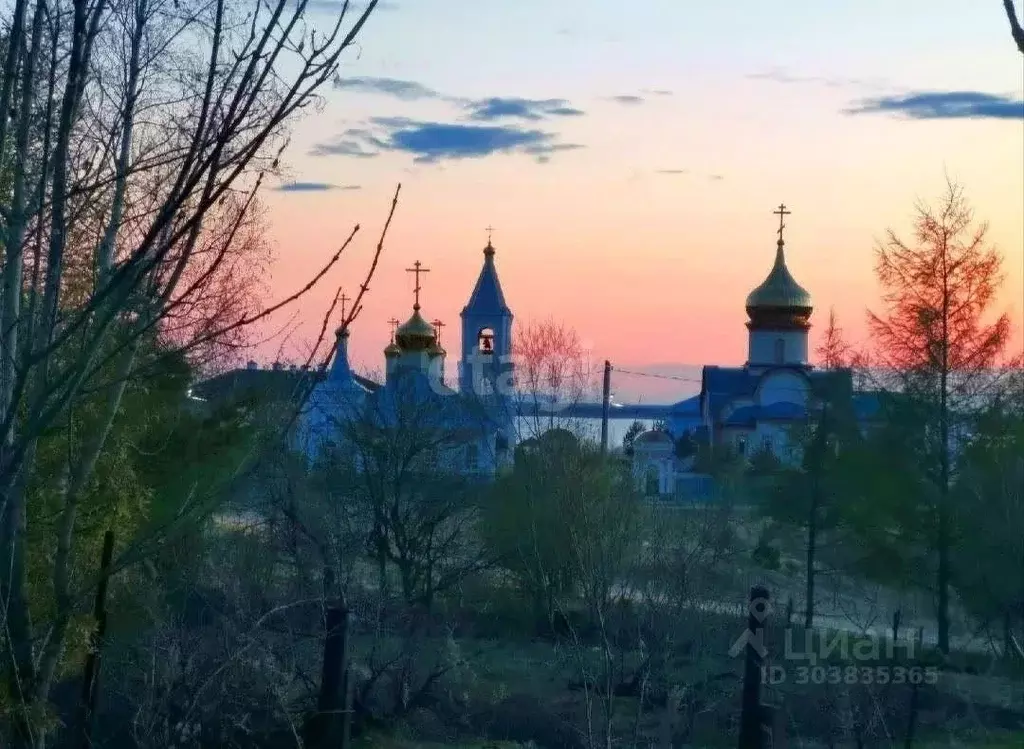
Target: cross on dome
[(437, 326), (782, 212), (417, 268)]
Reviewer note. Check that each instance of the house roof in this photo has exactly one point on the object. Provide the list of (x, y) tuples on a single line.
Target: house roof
[(276, 384)]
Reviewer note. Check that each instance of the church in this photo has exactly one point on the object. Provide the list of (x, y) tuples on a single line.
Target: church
[(474, 423), (750, 408), (747, 409)]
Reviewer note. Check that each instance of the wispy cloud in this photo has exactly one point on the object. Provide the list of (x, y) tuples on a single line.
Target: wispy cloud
[(482, 127), (628, 99), (352, 143), (497, 107), (432, 142), (943, 105), (779, 75), (400, 89), (657, 91), (313, 187), (684, 172)]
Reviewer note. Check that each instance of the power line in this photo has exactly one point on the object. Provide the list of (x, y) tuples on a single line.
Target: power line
[(657, 376)]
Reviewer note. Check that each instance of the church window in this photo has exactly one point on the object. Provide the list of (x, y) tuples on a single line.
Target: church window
[(766, 444), (472, 457), (780, 351), (741, 446), (485, 341)]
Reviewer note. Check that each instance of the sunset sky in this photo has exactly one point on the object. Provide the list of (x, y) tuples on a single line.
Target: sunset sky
[(629, 157)]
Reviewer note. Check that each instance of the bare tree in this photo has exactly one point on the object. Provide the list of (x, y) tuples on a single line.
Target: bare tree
[(553, 374), (407, 463), (137, 134), (833, 351)]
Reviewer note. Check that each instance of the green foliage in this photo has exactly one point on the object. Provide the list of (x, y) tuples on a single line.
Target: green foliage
[(562, 522), (766, 555), (161, 463), (629, 438), (989, 502), (685, 446)]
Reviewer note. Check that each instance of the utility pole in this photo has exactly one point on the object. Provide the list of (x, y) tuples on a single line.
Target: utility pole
[(606, 399)]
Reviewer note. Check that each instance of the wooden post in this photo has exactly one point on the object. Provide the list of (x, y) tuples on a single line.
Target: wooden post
[(90, 677), (752, 713), (606, 399), (330, 727)]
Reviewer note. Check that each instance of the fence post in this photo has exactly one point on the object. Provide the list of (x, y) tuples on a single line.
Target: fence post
[(334, 700), (86, 708), (752, 713)]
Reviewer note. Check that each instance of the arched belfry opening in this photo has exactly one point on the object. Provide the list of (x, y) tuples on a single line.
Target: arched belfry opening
[(485, 341)]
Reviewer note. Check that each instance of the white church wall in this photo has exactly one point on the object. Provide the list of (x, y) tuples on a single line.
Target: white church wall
[(764, 347), (782, 387)]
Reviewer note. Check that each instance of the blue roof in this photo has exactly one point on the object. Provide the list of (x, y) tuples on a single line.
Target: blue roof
[(749, 415), (723, 384), (688, 407), (487, 297)]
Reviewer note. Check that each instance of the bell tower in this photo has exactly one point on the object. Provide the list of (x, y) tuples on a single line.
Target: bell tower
[(486, 366)]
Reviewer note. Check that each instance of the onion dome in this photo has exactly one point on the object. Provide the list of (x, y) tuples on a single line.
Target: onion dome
[(392, 350), (415, 334), (779, 302), (436, 350)]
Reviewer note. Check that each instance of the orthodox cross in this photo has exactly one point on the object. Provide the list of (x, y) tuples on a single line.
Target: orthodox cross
[(782, 213), (489, 230), (343, 298), (394, 322), (417, 268), (437, 326)]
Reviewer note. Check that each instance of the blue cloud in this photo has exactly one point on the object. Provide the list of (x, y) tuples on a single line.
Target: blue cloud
[(405, 90), (944, 105), (431, 142), (497, 107), (355, 7), (313, 187), (345, 146)]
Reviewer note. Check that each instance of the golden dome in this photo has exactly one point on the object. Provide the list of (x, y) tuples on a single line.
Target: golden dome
[(780, 289), (415, 334)]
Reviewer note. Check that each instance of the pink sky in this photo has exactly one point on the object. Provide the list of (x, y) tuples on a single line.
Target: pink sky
[(651, 267)]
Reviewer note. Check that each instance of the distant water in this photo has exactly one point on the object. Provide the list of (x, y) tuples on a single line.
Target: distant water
[(586, 428)]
